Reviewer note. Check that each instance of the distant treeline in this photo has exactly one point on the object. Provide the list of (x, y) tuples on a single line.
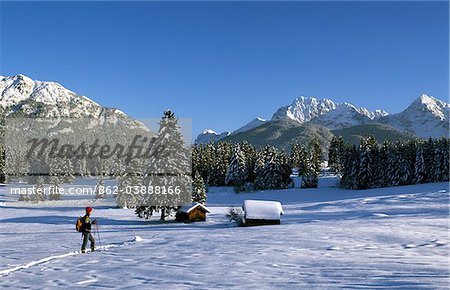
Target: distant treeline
[(368, 165), (372, 165), (247, 168)]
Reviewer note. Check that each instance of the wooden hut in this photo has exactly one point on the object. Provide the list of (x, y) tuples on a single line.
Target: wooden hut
[(262, 212), (192, 213)]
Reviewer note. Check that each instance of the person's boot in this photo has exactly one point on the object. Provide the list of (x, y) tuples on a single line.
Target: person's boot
[(92, 249), (83, 251)]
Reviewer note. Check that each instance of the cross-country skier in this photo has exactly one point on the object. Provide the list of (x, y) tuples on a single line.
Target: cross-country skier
[(86, 230)]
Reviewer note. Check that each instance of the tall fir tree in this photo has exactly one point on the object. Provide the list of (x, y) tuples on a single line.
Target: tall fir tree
[(333, 159), (404, 170), (367, 174), (236, 169), (129, 184), (419, 169), (310, 178), (251, 155), (428, 156), (169, 165), (219, 165), (198, 189), (444, 172), (272, 169), (299, 157)]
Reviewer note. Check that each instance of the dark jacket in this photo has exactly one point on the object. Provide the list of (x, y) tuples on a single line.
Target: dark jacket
[(87, 224)]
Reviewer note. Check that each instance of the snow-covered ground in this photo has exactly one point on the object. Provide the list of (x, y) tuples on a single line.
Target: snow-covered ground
[(329, 238)]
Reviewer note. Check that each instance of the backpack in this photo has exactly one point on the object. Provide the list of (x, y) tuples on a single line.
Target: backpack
[(79, 224)]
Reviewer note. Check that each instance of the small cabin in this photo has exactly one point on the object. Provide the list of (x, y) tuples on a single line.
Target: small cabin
[(192, 213), (262, 212)]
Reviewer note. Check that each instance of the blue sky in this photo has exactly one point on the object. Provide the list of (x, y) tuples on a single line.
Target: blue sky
[(224, 63)]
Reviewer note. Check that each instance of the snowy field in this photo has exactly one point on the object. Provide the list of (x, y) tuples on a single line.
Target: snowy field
[(329, 238)]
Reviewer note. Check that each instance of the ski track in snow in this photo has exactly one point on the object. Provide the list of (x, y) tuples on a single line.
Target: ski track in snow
[(35, 263), (103, 248)]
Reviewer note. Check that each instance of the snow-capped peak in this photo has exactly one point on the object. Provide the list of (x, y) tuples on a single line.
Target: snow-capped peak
[(209, 131), (15, 89), (209, 136), (20, 93), (429, 103), (425, 117), (326, 112), (251, 125), (303, 109), (380, 113)]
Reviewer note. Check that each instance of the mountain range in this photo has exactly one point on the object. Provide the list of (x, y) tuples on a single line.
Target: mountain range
[(21, 96), (425, 117), (304, 118)]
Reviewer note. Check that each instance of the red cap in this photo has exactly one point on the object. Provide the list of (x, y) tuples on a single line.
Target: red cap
[(89, 209)]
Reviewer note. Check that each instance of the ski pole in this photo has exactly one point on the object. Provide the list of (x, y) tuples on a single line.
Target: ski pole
[(98, 234)]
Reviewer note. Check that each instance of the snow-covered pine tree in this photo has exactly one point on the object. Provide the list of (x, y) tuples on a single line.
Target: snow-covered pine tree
[(367, 168), (129, 183), (437, 164), (390, 167), (394, 162), (440, 164), (198, 189), (2, 149), (169, 165), (428, 156), (286, 169), (196, 154), (444, 172), (299, 158), (251, 155), (404, 170), (409, 150), (206, 160), (265, 156), (332, 154), (201, 159), (236, 169), (310, 178), (350, 167), (317, 156), (339, 154), (419, 168), (260, 167), (219, 164), (272, 169), (2, 164), (384, 165)]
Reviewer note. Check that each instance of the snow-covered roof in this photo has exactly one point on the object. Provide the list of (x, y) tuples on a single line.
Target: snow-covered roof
[(189, 207), (262, 209)]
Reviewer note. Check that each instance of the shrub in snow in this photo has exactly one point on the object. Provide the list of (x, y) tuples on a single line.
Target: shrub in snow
[(236, 216)]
